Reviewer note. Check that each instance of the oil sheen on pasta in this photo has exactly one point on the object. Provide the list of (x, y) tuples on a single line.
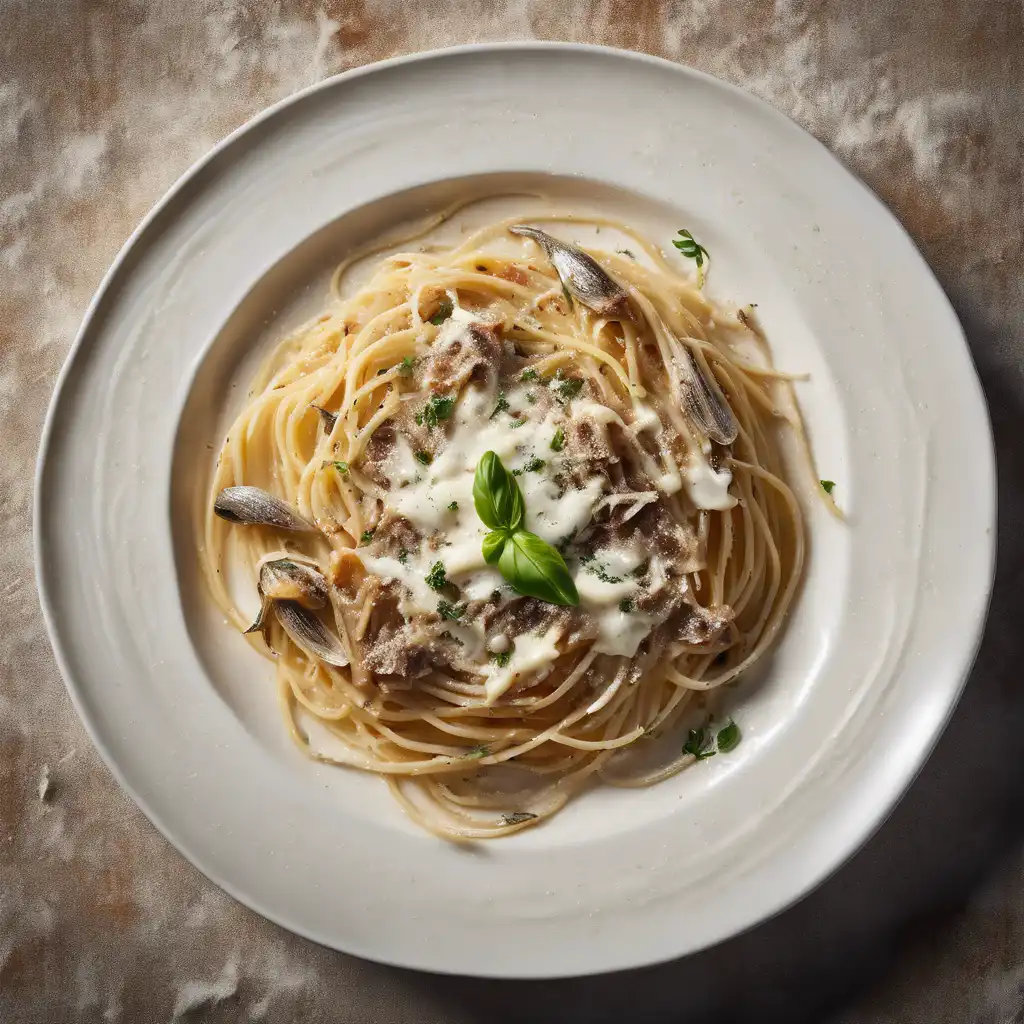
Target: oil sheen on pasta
[(486, 711)]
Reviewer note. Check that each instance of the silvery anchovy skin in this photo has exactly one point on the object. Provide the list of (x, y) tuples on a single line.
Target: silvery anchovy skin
[(584, 278)]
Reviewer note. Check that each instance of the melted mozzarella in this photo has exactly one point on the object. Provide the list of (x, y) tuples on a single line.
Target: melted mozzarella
[(706, 487), (438, 500)]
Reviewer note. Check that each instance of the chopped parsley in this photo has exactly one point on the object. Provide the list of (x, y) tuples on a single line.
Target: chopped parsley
[(699, 743), (341, 467), (531, 398), (453, 506), (403, 556), (406, 366), (641, 569), (502, 660), (598, 570), (827, 485), (534, 465), (483, 750), (558, 441), (437, 579), (424, 458), (437, 409), (366, 536), (627, 604), (528, 375), (450, 612), (566, 388), (502, 405), (692, 249), (728, 737), (444, 310)]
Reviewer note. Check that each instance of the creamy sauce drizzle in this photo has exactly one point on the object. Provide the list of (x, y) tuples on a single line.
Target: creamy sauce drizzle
[(438, 500)]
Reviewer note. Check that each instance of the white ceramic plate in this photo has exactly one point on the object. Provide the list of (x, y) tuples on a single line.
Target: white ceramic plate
[(878, 647)]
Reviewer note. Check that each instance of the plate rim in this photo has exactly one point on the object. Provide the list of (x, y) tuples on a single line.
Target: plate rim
[(899, 783)]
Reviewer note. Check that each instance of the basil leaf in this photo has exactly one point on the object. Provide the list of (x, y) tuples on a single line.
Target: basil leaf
[(728, 737), (493, 544), (496, 495), (536, 569)]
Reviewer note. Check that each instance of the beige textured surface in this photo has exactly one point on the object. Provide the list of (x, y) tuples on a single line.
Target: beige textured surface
[(102, 106)]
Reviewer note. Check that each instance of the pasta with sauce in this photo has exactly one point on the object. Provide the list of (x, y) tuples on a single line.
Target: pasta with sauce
[(486, 710)]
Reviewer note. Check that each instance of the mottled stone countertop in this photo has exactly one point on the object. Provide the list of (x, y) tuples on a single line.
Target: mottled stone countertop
[(103, 103)]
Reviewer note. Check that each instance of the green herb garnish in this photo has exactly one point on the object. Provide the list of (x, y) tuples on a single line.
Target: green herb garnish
[(437, 579), (449, 611), (693, 250), (403, 556), (626, 252), (453, 506), (438, 409), (366, 536), (406, 366), (534, 465), (341, 467), (502, 405), (558, 441), (444, 310), (483, 750), (528, 375), (627, 604), (641, 569), (566, 388), (425, 458), (532, 566), (827, 485), (502, 660), (699, 743), (595, 568), (728, 737)]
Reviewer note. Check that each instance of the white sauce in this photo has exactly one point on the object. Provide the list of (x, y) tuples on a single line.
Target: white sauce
[(706, 487), (438, 500), (530, 655)]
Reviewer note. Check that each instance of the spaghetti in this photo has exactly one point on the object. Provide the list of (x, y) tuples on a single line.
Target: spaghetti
[(486, 710)]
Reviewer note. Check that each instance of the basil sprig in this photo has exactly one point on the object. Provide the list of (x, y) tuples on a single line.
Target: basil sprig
[(496, 495), (531, 565)]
